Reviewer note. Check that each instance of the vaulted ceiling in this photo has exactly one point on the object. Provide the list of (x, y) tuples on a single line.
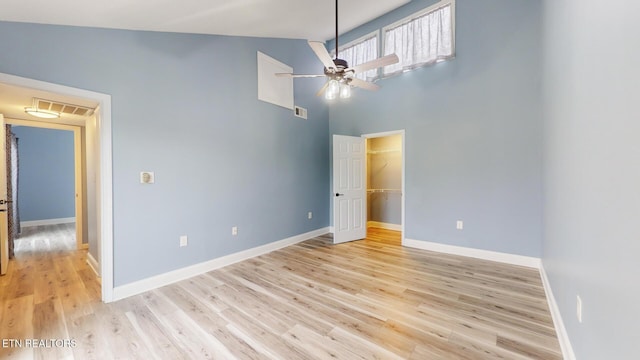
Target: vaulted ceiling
[(294, 19)]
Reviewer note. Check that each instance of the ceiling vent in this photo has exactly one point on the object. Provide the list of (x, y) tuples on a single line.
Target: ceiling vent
[(62, 108)]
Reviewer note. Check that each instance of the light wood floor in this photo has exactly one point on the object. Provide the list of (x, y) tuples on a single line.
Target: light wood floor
[(369, 299)]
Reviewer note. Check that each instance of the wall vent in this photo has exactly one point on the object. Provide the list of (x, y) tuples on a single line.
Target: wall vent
[(300, 112), (62, 108)]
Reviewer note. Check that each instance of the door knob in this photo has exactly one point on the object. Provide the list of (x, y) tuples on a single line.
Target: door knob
[(338, 194)]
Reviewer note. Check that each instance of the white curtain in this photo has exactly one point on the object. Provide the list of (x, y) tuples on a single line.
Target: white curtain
[(421, 41), (361, 53)]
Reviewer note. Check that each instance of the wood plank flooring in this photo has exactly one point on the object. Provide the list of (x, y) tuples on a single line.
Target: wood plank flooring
[(370, 299)]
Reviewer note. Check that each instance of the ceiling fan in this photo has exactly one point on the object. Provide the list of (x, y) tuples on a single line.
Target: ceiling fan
[(341, 76)]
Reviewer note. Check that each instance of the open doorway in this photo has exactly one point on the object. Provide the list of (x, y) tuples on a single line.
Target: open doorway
[(355, 180), (101, 246), (385, 185), (42, 178), (52, 185)]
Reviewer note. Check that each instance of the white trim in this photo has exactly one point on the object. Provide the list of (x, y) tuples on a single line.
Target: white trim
[(506, 258), (331, 229), (31, 223), (106, 167), (382, 225), (561, 331), (105, 191), (42, 124), (93, 263), (134, 288), (383, 134)]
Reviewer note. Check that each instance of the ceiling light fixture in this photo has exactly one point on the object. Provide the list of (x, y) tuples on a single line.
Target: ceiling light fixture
[(333, 89), (45, 114), (338, 88), (345, 90)]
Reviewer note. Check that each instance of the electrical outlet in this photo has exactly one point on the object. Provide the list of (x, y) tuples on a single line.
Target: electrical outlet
[(183, 241), (579, 308), (310, 215), (234, 231), (459, 225)]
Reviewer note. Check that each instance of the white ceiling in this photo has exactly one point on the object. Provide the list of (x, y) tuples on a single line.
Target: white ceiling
[(292, 19)]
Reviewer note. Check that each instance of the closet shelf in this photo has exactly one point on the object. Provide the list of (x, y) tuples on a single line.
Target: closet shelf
[(373, 152), (391, 191)]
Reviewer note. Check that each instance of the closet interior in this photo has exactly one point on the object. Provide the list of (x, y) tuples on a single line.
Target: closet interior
[(384, 182)]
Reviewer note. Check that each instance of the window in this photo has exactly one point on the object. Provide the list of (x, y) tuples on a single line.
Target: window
[(359, 52), (421, 39)]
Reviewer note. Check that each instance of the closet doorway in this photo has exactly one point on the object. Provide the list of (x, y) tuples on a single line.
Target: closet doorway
[(385, 169)]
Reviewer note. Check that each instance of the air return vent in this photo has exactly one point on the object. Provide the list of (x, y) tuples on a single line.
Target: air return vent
[(62, 108), (300, 112)]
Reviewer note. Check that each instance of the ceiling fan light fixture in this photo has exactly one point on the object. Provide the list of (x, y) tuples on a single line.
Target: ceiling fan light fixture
[(333, 89), (44, 114), (345, 91), (340, 74)]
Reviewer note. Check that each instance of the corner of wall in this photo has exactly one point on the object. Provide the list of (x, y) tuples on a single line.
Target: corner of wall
[(561, 331)]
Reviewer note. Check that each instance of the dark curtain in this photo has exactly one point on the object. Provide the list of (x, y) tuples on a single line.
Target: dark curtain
[(12, 189)]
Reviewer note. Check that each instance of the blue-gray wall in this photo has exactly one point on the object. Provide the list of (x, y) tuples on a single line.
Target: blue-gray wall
[(46, 176), (591, 171), (473, 129), (474, 144), (185, 106)]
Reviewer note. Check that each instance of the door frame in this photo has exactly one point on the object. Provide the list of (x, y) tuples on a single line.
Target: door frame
[(4, 218), (77, 168), (105, 155), (403, 194)]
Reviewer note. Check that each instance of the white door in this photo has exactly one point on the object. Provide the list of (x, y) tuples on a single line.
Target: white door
[(349, 189), (4, 220)]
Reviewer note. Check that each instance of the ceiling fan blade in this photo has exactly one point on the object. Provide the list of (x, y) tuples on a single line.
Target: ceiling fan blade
[(322, 54), (298, 75), (322, 89), (374, 64), (364, 84)]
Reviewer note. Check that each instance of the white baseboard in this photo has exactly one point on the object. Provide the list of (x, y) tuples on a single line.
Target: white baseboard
[(382, 225), (561, 331), (512, 259), (332, 229), (137, 287), (93, 264), (47, 222)]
